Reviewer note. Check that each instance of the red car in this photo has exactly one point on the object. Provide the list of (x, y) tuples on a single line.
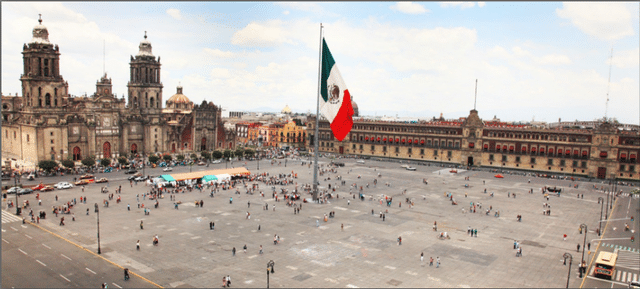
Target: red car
[(38, 187), (47, 188)]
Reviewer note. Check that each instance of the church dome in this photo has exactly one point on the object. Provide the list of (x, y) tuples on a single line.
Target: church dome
[(40, 34), (145, 47), (178, 97), (286, 109), (355, 108)]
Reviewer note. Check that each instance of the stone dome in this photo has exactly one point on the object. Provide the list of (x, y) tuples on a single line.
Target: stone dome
[(286, 110), (178, 97), (40, 34), (355, 108), (144, 47)]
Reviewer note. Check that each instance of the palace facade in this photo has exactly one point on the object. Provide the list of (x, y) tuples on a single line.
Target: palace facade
[(48, 123), (604, 152)]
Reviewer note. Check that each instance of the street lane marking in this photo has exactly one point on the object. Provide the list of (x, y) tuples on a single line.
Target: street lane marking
[(28, 236), (65, 278), (14, 228), (3, 240), (3, 230), (71, 260), (43, 264), (114, 284), (46, 246), (24, 226), (23, 252), (90, 270)]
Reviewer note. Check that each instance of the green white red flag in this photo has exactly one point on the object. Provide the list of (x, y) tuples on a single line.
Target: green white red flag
[(336, 100)]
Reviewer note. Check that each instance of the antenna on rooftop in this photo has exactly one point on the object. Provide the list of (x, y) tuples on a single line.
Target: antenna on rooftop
[(608, 85), (476, 96)]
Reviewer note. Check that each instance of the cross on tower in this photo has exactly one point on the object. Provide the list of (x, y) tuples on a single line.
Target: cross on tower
[(40, 18), (145, 35)]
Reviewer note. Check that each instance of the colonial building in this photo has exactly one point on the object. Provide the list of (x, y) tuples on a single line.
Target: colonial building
[(603, 152), (48, 123)]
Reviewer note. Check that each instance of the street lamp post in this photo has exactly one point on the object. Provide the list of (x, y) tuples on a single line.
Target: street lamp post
[(583, 227), (15, 181), (567, 255), (144, 164), (601, 202), (98, 212), (606, 211), (270, 265)]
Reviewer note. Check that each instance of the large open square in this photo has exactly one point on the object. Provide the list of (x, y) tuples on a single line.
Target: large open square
[(364, 253)]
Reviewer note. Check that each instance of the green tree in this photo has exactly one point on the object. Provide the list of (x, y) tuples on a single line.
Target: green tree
[(206, 155), (217, 154), (249, 153), (239, 153), (180, 157), (122, 160), (105, 162), (47, 165), (68, 164), (167, 158), (227, 153), (194, 156), (154, 159), (89, 161)]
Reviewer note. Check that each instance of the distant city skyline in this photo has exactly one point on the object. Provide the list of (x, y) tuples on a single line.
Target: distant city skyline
[(545, 60)]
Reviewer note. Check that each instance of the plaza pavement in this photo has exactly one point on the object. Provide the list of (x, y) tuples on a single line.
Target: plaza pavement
[(365, 254)]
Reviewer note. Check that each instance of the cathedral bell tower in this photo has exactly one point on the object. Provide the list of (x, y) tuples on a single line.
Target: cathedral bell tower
[(144, 86), (42, 84)]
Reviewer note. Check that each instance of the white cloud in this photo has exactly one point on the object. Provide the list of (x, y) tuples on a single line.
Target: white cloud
[(553, 59), (175, 13), (625, 59), (461, 4), (285, 12), (303, 6), (603, 20), (270, 33), (409, 8)]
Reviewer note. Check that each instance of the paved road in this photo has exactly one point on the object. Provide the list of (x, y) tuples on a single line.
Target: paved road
[(365, 254), (36, 258), (615, 238)]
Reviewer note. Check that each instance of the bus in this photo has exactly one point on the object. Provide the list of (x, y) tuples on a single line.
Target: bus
[(605, 264)]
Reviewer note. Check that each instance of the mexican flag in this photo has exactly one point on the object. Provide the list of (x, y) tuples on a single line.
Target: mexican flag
[(336, 101)]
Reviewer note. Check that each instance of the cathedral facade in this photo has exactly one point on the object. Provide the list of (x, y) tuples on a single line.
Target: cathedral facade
[(48, 123)]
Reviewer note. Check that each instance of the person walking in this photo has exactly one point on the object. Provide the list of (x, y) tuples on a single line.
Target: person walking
[(233, 251), (141, 226), (578, 248), (138, 245), (260, 249), (430, 261), (245, 248), (421, 257), (437, 262)]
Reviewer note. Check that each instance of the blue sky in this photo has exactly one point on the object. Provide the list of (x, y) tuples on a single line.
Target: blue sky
[(533, 60)]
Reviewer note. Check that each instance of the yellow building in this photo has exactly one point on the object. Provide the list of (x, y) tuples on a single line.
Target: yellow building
[(292, 135)]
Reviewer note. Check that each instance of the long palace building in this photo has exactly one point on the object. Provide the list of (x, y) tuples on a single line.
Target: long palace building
[(604, 152)]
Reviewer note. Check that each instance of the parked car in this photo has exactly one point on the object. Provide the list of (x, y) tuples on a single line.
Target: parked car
[(217, 161), (31, 177), (47, 188), (131, 178), (13, 190), (38, 187), (82, 183), (87, 177), (131, 171), (141, 178), (102, 180), (411, 169), (201, 163), (167, 169), (360, 161), (63, 185), (25, 191)]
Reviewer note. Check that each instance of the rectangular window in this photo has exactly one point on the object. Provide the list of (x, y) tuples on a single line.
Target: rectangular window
[(435, 152), (550, 162), (517, 159), (27, 137), (361, 147), (397, 149), (584, 164), (622, 168), (449, 154), (410, 150), (354, 146), (51, 141), (491, 157), (504, 158), (51, 133), (533, 160), (373, 148), (421, 151), (632, 168), (562, 163), (384, 149), (575, 163)]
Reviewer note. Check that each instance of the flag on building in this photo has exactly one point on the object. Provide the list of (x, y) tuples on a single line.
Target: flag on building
[(336, 101)]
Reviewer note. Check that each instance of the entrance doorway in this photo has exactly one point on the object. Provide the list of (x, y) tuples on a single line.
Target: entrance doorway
[(602, 173), (341, 149), (470, 161)]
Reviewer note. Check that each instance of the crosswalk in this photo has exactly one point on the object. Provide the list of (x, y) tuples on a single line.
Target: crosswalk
[(627, 267), (9, 217), (621, 248)]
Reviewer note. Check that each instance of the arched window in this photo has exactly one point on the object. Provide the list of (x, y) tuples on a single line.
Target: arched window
[(151, 102), (203, 144), (47, 99), (134, 148), (173, 147)]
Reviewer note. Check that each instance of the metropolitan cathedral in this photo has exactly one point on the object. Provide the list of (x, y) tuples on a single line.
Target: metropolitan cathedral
[(48, 123)]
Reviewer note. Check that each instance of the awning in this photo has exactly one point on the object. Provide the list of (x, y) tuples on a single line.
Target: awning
[(410, 140), (168, 178), (504, 148), (533, 149), (397, 140), (422, 142), (486, 146), (209, 178), (384, 139), (623, 156), (366, 138), (378, 138), (603, 154), (550, 151), (542, 150), (584, 153), (567, 152), (511, 148), (471, 145), (575, 152), (524, 149), (633, 156), (198, 175)]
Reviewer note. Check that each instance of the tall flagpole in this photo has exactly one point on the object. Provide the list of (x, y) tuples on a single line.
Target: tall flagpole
[(316, 137)]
